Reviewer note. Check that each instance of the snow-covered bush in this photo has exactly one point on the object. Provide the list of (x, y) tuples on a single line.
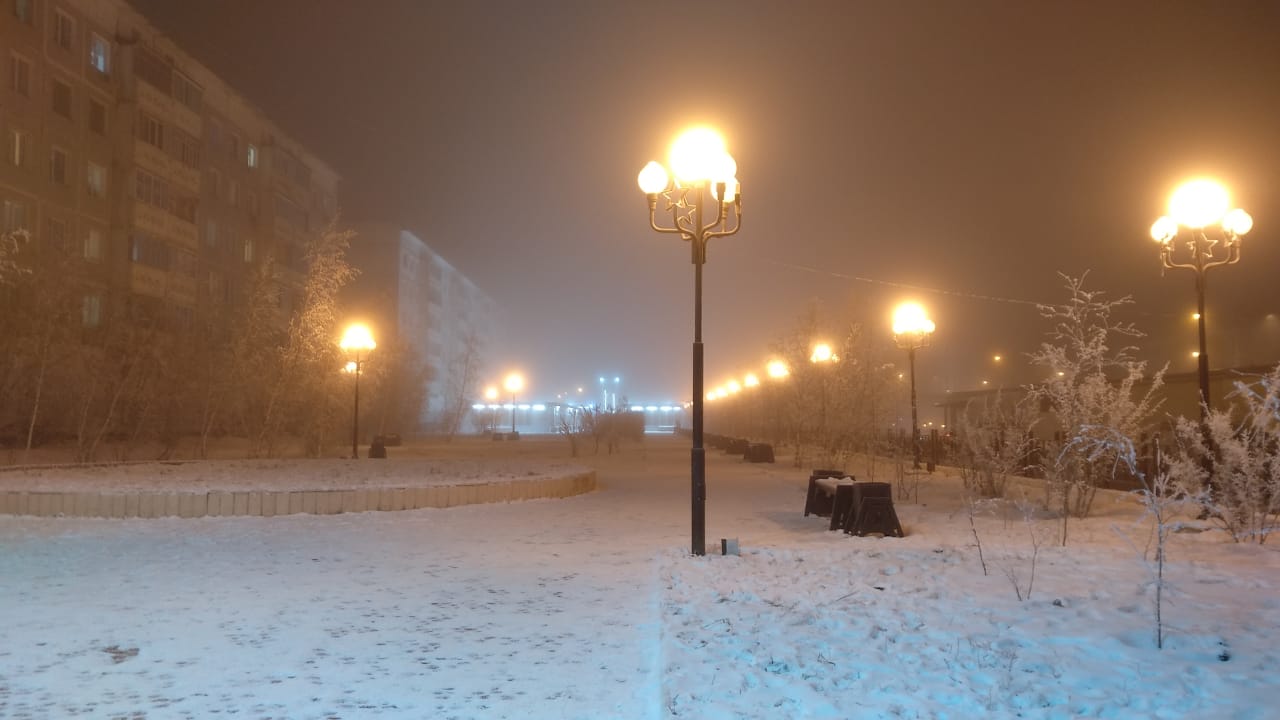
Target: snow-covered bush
[(995, 442), (1089, 386), (1243, 494)]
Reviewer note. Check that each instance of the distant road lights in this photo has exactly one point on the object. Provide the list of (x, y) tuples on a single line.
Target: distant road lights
[(734, 387), (1200, 214), (513, 383), (777, 369), (750, 380), (911, 331), (822, 354)]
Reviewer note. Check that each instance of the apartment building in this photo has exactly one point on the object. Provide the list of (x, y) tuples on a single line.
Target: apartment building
[(122, 150), (407, 290)]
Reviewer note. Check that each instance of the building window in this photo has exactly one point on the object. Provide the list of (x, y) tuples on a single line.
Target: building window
[(20, 77), (186, 92), (248, 249), (185, 263), (233, 192), (58, 166), (215, 182), (151, 190), (91, 310), (211, 233), (150, 130), (22, 10), (97, 117), (291, 212), (151, 68), (97, 180), (253, 204), (15, 216), (146, 250), (251, 156), (16, 148), (58, 236), (188, 151), (233, 147), (62, 99), (99, 53), (93, 245), (63, 29)]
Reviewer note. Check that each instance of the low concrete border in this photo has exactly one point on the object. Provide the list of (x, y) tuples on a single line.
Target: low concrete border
[(267, 503)]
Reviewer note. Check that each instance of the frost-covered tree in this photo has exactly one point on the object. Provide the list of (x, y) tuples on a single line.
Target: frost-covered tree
[(464, 366), (995, 443), (1091, 386), (1245, 454)]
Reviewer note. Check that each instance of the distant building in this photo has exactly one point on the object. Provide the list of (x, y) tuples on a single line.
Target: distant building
[(408, 291), (123, 151)]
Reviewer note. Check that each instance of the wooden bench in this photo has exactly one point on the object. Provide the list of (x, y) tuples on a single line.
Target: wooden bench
[(871, 512)]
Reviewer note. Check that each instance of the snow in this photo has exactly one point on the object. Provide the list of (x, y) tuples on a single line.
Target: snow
[(591, 607)]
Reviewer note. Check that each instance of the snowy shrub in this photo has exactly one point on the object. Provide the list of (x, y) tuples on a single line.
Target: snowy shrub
[(1243, 494), (10, 244), (995, 442), (1090, 388)]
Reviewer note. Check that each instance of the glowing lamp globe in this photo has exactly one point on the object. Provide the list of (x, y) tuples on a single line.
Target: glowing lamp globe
[(777, 369), (653, 178), (1199, 203), (1164, 229), (911, 318), (1237, 222), (699, 154), (357, 337), (513, 383)]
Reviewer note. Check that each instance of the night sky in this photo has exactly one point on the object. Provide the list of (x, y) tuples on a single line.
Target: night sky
[(970, 150)]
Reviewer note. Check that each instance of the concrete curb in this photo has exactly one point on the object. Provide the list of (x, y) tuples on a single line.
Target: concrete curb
[(267, 503)]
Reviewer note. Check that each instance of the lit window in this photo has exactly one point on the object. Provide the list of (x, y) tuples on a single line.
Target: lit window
[(99, 53), (63, 30), (20, 77), (251, 156), (248, 250), (93, 245), (97, 180), (15, 216), (58, 166)]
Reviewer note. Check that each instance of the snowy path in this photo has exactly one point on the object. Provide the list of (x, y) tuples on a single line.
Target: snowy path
[(589, 607)]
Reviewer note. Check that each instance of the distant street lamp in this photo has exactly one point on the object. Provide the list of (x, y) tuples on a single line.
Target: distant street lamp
[(1203, 209), (356, 338), (491, 394), (704, 180), (911, 331), (513, 383), (823, 356)]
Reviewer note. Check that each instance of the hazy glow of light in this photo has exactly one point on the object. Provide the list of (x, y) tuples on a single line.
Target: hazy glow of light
[(731, 188), (478, 406), (1061, 374), (1237, 222), (777, 369), (523, 406), (539, 407), (514, 382), (1195, 316), (1195, 353), (821, 353), (666, 408), (357, 337), (699, 154), (997, 358), (734, 386), (651, 408), (1199, 202), (653, 178), (711, 396), (491, 393), (910, 317), (350, 367), (750, 380), (1164, 229)]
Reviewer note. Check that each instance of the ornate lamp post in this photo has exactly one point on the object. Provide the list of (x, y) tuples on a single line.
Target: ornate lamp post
[(513, 383), (701, 199), (356, 338), (911, 331), (1201, 219), (491, 394)]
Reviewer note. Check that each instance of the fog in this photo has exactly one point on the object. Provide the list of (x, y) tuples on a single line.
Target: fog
[(959, 154)]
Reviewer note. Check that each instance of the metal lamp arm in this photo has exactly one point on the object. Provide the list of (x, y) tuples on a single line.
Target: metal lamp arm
[(653, 223)]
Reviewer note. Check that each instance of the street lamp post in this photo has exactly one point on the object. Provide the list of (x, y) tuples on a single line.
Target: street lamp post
[(514, 383), (702, 168), (911, 331), (491, 394), (1202, 208), (357, 338), (822, 355)]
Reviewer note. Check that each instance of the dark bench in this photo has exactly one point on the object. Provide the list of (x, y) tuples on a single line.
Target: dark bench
[(830, 494), (759, 453), (871, 511)]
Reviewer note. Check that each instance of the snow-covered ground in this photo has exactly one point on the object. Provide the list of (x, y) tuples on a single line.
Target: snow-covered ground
[(590, 607)]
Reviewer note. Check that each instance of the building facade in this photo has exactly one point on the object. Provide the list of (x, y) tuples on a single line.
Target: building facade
[(408, 292), (123, 151)]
